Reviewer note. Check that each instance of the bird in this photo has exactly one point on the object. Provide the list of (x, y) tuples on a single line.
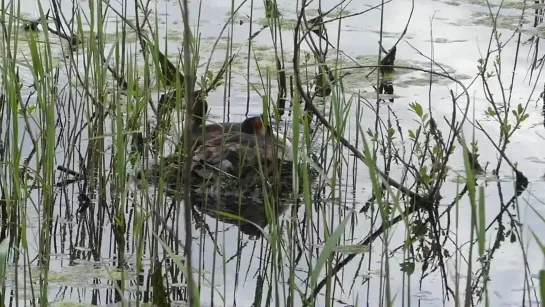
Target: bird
[(246, 159), (200, 132), (210, 140), (243, 151), (252, 125)]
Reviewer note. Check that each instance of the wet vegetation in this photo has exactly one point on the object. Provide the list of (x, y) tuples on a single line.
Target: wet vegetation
[(411, 181)]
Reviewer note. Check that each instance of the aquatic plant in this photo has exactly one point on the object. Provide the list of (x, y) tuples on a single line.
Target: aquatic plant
[(408, 171)]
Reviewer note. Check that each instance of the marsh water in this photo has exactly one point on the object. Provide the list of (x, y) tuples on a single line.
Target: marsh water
[(455, 34)]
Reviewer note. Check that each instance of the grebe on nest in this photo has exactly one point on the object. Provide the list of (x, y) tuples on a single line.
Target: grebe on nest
[(243, 160), (242, 155)]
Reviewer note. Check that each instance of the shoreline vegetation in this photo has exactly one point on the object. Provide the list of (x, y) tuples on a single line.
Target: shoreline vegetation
[(404, 169)]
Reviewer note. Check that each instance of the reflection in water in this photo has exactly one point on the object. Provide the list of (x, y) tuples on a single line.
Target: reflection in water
[(387, 88), (117, 236), (245, 213)]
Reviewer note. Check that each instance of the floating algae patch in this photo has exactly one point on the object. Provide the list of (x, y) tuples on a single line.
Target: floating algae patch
[(24, 41), (465, 2), (495, 4), (522, 5), (442, 40), (414, 81), (503, 21), (311, 12), (283, 22), (392, 34), (53, 277), (352, 72), (56, 277), (356, 74), (90, 272), (67, 304), (264, 55), (373, 95), (338, 12), (458, 2), (208, 46), (453, 3), (509, 22), (372, 60), (423, 79), (174, 35), (130, 37), (257, 85), (267, 57), (214, 66), (462, 76), (238, 17), (261, 47)]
